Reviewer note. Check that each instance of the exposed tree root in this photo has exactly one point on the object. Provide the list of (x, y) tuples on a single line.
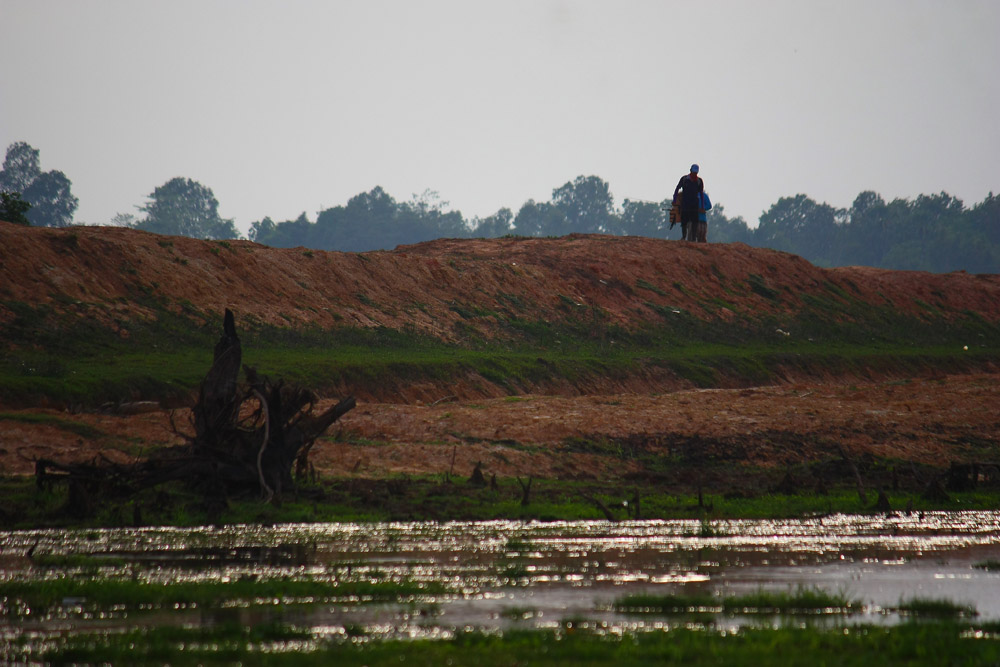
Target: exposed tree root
[(246, 440)]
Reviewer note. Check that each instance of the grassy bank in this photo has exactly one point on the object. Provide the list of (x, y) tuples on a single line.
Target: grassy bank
[(433, 498), (381, 363), (54, 356)]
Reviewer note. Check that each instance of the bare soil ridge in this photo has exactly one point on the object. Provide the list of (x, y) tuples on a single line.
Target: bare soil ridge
[(447, 288)]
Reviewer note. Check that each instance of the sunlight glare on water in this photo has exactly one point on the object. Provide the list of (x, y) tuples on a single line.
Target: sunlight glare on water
[(501, 574)]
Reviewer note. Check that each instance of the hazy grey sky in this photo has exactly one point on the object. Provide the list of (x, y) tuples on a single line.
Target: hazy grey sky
[(298, 105)]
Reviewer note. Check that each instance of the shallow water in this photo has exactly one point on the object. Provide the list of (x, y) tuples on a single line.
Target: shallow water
[(503, 574)]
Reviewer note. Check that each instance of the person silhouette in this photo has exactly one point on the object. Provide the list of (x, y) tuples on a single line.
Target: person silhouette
[(688, 194)]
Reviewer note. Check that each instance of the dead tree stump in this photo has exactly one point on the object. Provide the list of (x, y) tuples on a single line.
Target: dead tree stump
[(247, 438)]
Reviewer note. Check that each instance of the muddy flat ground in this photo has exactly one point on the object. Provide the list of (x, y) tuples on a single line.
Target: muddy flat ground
[(926, 420)]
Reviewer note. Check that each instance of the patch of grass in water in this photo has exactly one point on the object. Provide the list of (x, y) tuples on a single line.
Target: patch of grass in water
[(708, 529), (89, 562), (989, 565), (228, 642), (935, 608), (518, 544), (800, 601), (677, 603), (97, 593)]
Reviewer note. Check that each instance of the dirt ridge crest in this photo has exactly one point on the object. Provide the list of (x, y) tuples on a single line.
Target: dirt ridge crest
[(110, 274)]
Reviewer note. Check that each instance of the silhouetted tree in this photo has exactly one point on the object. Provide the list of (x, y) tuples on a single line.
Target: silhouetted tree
[(262, 230), (287, 234), (722, 229), (800, 225), (48, 193), (640, 218), (424, 218), (20, 167), (183, 207), (127, 220), (587, 204), (500, 223), (368, 222), (13, 208), (986, 217), (540, 220), (52, 202), (865, 240)]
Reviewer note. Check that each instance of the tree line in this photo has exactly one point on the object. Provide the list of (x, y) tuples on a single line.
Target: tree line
[(930, 233), (31, 196), (935, 233)]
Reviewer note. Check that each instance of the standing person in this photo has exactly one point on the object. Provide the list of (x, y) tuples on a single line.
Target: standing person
[(690, 188)]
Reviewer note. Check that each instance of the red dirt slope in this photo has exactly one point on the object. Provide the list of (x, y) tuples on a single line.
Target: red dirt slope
[(109, 275)]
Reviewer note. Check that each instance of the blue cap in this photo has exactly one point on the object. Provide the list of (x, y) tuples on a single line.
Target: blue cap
[(694, 169)]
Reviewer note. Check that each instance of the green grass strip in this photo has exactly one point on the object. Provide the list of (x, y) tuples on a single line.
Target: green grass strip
[(934, 643)]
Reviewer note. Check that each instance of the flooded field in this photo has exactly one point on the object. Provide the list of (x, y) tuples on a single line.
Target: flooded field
[(435, 579)]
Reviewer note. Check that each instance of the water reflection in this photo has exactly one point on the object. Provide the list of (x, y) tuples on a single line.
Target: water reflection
[(504, 574)]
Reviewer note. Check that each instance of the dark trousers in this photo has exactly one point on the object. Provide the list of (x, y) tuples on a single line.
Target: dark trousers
[(689, 223)]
